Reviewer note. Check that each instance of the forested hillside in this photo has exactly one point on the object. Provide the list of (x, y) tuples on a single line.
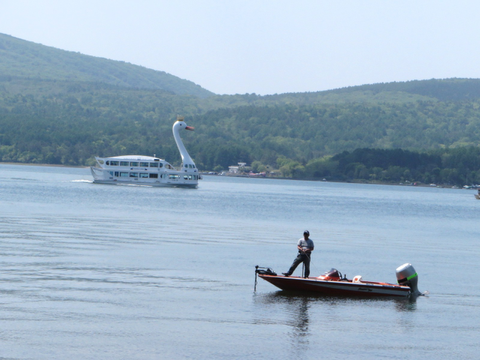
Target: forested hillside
[(83, 109), (27, 60)]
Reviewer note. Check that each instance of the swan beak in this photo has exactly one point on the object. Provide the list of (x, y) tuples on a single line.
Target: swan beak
[(189, 128)]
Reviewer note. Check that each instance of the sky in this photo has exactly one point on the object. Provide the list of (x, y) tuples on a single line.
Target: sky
[(263, 46)]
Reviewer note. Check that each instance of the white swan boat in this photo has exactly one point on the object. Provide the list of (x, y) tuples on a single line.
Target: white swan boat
[(148, 170)]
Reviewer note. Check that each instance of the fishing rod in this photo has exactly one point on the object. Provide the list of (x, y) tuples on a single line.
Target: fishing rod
[(303, 263)]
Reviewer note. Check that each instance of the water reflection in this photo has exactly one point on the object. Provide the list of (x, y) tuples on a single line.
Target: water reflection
[(409, 304), (294, 299), (296, 311)]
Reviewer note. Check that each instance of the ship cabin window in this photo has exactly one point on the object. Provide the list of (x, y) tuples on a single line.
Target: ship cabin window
[(161, 165), (153, 176), (144, 164), (112, 163), (123, 174), (132, 174), (123, 163), (144, 175), (174, 176), (153, 164), (133, 163)]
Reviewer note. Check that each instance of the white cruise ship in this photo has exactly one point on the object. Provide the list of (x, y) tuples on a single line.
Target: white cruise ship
[(148, 170)]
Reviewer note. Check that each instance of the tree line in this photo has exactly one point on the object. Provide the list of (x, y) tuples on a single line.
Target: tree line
[(453, 167), (71, 123)]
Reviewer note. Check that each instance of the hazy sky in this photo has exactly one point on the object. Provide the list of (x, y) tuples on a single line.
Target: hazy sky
[(263, 46)]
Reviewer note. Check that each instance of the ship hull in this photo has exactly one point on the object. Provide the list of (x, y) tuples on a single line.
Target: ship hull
[(337, 287)]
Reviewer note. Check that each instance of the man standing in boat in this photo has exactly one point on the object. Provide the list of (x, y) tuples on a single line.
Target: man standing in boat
[(305, 247)]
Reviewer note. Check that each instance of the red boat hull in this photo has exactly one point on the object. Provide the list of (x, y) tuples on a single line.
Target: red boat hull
[(337, 287)]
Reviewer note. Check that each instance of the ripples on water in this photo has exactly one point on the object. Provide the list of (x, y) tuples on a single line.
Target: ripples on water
[(131, 272)]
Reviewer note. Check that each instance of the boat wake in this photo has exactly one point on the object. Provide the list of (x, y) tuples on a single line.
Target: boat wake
[(82, 181)]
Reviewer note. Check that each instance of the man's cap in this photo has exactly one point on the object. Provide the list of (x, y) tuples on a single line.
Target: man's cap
[(306, 232)]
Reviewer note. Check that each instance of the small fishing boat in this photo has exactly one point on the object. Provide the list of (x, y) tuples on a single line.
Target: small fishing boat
[(332, 283), (148, 170)]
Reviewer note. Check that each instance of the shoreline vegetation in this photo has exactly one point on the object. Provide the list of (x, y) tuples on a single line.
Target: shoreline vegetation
[(457, 167)]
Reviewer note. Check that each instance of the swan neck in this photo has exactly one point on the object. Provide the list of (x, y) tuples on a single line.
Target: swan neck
[(186, 159)]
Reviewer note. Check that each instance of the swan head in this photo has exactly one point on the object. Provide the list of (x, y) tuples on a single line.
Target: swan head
[(181, 124)]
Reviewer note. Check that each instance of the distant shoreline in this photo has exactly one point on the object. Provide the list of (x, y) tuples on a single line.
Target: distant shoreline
[(53, 165), (338, 181), (261, 177)]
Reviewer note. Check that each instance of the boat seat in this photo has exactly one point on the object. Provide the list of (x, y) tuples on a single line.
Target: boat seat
[(357, 279)]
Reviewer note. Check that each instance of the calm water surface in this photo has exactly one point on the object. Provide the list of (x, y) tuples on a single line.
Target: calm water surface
[(131, 272)]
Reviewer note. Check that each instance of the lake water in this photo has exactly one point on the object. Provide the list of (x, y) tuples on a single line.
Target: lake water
[(129, 272)]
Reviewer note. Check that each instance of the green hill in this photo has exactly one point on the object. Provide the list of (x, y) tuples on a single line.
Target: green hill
[(394, 92), (439, 89), (27, 60)]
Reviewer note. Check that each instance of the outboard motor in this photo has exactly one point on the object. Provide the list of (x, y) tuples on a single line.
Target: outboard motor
[(407, 276)]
